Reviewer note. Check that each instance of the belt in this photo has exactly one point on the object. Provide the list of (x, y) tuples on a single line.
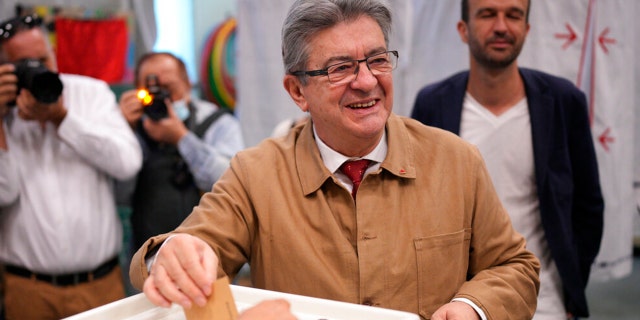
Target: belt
[(69, 279)]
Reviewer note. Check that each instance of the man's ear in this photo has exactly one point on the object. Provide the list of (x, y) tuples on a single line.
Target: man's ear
[(463, 31), (295, 89)]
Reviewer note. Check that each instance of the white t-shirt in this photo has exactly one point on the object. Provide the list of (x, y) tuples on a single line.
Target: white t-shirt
[(506, 145)]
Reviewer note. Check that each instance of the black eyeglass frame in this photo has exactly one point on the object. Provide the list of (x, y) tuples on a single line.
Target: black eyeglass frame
[(325, 71), (8, 28)]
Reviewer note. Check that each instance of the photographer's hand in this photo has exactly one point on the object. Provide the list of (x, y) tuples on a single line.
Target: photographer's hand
[(8, 87), (168, 130), (30, 109), (131, 108)]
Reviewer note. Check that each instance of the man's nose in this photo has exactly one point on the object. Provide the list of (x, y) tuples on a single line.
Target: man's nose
[(367, 73)]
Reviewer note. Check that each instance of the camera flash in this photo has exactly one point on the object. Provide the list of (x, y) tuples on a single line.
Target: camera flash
[(145, 97)]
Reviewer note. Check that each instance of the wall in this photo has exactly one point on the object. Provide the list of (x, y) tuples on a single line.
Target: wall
[(7, 6), (207, 14)]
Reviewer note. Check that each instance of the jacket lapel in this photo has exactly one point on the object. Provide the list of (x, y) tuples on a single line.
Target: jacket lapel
[(453, 114), (541, 112)]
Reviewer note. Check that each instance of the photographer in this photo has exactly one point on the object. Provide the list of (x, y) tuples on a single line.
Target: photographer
[(187, 144), (60, 234)]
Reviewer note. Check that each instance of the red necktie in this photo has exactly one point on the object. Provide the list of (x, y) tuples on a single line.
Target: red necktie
[(355, 171)]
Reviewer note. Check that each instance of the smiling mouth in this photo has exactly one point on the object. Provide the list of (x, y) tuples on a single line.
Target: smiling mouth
[(362, 105)]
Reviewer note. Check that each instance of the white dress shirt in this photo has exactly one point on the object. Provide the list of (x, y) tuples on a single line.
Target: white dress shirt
[(63, 216)]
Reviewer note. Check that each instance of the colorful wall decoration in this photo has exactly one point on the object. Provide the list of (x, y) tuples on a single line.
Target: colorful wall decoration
[(217, 65)]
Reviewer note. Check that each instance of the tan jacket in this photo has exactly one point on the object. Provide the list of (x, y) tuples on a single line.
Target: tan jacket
[(427, 227)]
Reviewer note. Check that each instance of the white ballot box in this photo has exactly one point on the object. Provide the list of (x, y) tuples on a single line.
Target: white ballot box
[(137, 307)]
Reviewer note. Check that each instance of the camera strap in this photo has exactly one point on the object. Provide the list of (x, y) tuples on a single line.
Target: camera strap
[(202, 127)]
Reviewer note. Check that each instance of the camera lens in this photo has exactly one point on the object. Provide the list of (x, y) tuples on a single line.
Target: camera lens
[(43, 84), (153, 97)]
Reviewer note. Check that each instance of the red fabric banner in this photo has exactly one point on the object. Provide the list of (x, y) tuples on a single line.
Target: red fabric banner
[(95, 48)]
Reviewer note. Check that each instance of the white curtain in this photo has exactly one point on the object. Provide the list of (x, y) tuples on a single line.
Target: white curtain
[(601, 59), (261, 100), (144, 15)]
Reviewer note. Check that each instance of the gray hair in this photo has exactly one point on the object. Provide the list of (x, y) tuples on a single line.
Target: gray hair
[(308, 17)]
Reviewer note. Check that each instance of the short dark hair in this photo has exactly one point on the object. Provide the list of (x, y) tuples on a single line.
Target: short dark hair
[(148, 56), (464, 7)]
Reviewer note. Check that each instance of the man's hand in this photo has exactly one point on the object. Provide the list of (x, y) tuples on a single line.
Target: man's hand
[(31, 109), (8, 87), (268, 310), (183, 272), (455, 310), (130, 106), (168, 130)]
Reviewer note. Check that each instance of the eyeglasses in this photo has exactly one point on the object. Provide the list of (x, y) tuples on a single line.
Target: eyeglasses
[(9, 28), (347, 71)]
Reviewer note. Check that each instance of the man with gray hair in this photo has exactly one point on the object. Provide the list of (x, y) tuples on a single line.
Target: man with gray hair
[(357, 204)]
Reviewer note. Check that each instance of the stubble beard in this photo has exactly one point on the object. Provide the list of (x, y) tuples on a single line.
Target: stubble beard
[(485, 58)]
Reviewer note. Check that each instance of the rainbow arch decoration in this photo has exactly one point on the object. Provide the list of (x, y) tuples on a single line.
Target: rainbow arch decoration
[(217, 65)]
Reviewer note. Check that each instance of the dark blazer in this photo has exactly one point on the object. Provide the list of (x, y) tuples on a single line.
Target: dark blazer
[(566, 169)]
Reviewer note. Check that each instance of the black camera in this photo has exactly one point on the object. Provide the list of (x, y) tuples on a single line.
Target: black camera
[(43, 84), (152, 98)]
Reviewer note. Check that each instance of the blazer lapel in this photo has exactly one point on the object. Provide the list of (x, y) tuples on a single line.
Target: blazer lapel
[(452, 115), (541, 112)]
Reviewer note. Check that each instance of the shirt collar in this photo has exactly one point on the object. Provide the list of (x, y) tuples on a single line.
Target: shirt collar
[(398, 156), (333, 159)]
